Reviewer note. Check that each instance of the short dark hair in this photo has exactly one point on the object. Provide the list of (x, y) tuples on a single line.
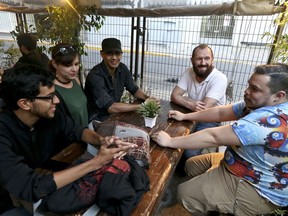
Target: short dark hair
[(202, 46), (63, 59), (278, 74), (28, 40), (23, 81)]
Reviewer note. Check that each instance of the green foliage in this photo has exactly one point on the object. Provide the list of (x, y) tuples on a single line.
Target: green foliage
[(149, 109), (63, 24), (229, 91), (21, 28), (9, 55), (281, 46), (279, 212), (126, 97)]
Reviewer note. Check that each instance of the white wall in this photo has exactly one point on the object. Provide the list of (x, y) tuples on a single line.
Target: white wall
[(7, 22)]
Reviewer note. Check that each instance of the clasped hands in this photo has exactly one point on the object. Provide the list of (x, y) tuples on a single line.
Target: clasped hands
[(113, 147)]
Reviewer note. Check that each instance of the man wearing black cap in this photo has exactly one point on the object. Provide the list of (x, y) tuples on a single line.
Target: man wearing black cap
[(106, 81), (27, 43)]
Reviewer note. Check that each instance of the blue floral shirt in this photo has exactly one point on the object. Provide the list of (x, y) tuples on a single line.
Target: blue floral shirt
[(262, 159)]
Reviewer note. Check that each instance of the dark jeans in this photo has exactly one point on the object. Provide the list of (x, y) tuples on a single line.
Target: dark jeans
[(200, 126)]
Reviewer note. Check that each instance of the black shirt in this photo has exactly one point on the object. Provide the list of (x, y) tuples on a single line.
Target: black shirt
[(34, 58), (102, 91), (22, 149)]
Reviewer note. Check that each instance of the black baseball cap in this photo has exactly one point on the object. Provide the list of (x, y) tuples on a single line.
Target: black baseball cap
[(111, 44)]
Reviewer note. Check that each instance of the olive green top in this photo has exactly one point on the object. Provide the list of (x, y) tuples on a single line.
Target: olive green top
[(75, 101)]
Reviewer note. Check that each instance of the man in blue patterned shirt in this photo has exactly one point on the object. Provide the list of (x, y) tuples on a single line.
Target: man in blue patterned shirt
[(251, 177)]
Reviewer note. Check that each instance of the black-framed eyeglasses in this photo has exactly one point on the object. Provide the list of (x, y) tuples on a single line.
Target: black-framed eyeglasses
[(65, 50), (48, 97)]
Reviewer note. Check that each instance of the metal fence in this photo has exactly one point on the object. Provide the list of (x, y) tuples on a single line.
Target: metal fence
[(158, 50), (238, 43)]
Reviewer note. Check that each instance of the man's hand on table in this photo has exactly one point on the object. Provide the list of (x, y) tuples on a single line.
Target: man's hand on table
[(162, 138), (176, 115)]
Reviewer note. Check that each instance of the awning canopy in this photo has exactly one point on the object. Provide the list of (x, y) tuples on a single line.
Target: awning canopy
[(152, 8)]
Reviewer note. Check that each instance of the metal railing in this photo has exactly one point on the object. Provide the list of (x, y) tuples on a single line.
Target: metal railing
[(158, 50)]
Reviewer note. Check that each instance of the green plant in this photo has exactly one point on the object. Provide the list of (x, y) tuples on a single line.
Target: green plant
[(63, 25), (149, 109), (279, 212), (9, 55), (126, 97), (280, 40)]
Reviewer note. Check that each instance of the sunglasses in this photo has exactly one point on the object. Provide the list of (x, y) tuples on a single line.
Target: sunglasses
[(65, 50), (48, 97)]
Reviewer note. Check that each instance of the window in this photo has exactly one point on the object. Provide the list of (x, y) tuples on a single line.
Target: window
[(218, 27)]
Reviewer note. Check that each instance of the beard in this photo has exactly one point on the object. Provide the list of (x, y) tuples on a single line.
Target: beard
[(202, 73), (48, 113), (250, 105)]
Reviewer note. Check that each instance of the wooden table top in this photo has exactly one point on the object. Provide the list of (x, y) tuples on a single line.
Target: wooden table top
[(171, 126), (164, 160)]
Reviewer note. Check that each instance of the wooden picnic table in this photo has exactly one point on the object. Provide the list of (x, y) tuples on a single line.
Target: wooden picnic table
[(164, 160)]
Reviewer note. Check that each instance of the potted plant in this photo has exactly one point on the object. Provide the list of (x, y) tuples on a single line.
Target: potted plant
[(149, 110)]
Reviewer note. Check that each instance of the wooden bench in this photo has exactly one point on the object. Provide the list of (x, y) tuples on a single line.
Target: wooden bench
[(164, 160)]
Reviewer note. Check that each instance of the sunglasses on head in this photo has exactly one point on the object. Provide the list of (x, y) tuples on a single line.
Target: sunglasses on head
[(65, 50)]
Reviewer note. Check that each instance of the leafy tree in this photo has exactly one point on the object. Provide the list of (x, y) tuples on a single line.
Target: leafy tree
[(280, 40), (8, 55), (63, 24)]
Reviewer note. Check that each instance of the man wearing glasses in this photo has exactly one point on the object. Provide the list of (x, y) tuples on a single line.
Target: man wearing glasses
[(106, 81), (32, 130)]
